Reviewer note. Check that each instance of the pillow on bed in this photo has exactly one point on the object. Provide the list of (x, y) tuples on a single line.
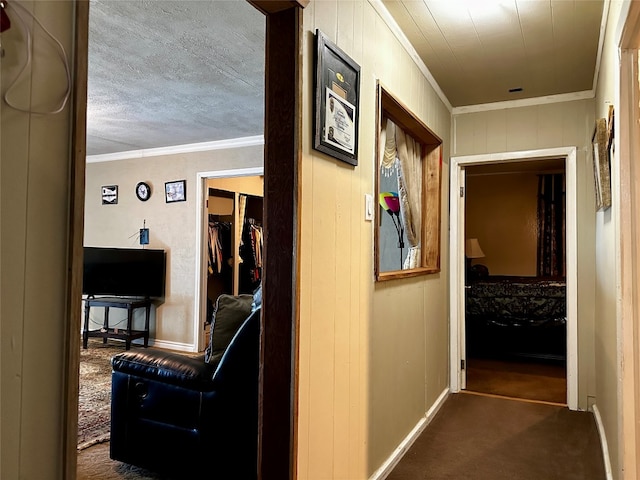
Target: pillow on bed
[(229, 313)]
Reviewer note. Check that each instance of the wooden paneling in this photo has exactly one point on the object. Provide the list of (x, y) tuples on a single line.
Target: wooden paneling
[(358, 341), (35, 200)]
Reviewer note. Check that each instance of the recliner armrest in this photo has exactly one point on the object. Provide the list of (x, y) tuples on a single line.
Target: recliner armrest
[(166, 367)]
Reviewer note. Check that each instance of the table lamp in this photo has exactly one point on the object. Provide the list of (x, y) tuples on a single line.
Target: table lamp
[(472, 250)]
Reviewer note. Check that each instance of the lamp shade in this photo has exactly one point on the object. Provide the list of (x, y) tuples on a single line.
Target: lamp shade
[(390, 201), (472, 248)]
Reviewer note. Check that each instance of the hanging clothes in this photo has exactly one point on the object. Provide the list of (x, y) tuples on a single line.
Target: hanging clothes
[(219, 246), (251, 256)]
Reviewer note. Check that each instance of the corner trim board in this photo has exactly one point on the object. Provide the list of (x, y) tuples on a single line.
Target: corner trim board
[(603, 443), (393, 460)]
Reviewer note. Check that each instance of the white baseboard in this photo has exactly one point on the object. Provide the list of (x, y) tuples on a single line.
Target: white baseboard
[(386, 468), (603, 442), (169, 345)]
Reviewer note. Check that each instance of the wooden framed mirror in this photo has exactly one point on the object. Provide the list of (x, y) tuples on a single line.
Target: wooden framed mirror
[(408, 182)]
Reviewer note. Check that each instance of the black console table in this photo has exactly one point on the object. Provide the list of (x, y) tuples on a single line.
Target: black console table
[(106, 331)]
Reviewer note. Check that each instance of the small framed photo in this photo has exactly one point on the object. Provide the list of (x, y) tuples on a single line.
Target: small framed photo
[(109, 194), (175, 191), (336, 108)]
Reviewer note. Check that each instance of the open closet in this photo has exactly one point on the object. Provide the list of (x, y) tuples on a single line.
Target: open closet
[(234, 251)]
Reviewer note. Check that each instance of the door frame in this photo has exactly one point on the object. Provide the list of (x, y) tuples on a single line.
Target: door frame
[(457, 258), (627, 143), (200, 291), (282, 133)]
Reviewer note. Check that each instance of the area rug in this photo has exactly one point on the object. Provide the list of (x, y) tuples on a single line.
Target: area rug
[(94, 396)]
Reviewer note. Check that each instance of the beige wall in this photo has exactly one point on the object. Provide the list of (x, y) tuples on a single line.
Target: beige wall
[(172, 226), (607, 354), (34, 199), (501, 211), (546, 126), (373, 357)]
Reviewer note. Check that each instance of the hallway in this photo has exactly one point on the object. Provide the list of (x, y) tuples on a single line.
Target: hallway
[(477, 437)]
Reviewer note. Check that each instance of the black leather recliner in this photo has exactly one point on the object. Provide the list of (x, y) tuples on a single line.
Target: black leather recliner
[(178, 414)]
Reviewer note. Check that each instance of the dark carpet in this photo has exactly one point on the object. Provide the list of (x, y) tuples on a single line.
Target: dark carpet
[(519, 379), (486, 438)]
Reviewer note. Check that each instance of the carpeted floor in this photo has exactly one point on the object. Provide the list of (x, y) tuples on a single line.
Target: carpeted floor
[(94, 416), (94, 464), (94, 396), (518, 379), (486, 438)]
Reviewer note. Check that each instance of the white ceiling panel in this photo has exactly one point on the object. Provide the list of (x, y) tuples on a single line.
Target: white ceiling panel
[(545, 47)]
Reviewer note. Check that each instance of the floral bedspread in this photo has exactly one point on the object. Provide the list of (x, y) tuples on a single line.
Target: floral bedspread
[(517, 301)]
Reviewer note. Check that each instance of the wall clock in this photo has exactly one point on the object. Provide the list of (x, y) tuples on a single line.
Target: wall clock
[(143, 191)]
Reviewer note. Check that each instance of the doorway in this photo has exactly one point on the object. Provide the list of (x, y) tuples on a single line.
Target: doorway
[(282, 114), (219, 194), (515, 301), (458, 264)]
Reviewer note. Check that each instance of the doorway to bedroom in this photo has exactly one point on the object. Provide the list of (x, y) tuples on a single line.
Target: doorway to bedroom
[(461, 264), (515, 272)]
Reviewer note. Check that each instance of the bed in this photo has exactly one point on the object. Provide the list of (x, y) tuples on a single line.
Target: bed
[(516, 316)]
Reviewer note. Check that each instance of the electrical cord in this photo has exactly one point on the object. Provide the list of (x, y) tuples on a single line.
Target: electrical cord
[(61, 52)]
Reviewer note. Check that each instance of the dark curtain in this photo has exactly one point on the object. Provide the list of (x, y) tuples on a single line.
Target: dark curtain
[(551, 225)]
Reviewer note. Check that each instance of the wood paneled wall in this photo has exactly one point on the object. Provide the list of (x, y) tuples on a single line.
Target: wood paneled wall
[(34, 208), (373, 357)]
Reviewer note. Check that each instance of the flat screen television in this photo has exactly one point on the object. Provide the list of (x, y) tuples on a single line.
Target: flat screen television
[(124, 272)]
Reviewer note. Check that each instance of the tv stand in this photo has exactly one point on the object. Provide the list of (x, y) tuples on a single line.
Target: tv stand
[(126, 334)]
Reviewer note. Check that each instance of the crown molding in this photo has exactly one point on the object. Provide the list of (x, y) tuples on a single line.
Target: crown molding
[(379, 7), (603, 30), (525, 102), (177, 149)]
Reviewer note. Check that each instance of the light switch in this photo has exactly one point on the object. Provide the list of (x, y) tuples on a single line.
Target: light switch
[(368, 207)]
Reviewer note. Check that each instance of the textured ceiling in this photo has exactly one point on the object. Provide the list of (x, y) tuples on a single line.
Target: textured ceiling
[(477, 50), (165, 73)]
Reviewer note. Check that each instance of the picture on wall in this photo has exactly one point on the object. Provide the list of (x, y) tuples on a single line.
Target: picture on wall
[(336, 108), (175, 191), (601, 165), (109, 195)]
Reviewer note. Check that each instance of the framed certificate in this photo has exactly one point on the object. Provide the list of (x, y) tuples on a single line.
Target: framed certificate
[(337, 94)]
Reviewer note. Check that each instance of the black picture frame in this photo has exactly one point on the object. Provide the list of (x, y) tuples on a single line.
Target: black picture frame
[(175, 191), (109, 194), (337, 84)]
